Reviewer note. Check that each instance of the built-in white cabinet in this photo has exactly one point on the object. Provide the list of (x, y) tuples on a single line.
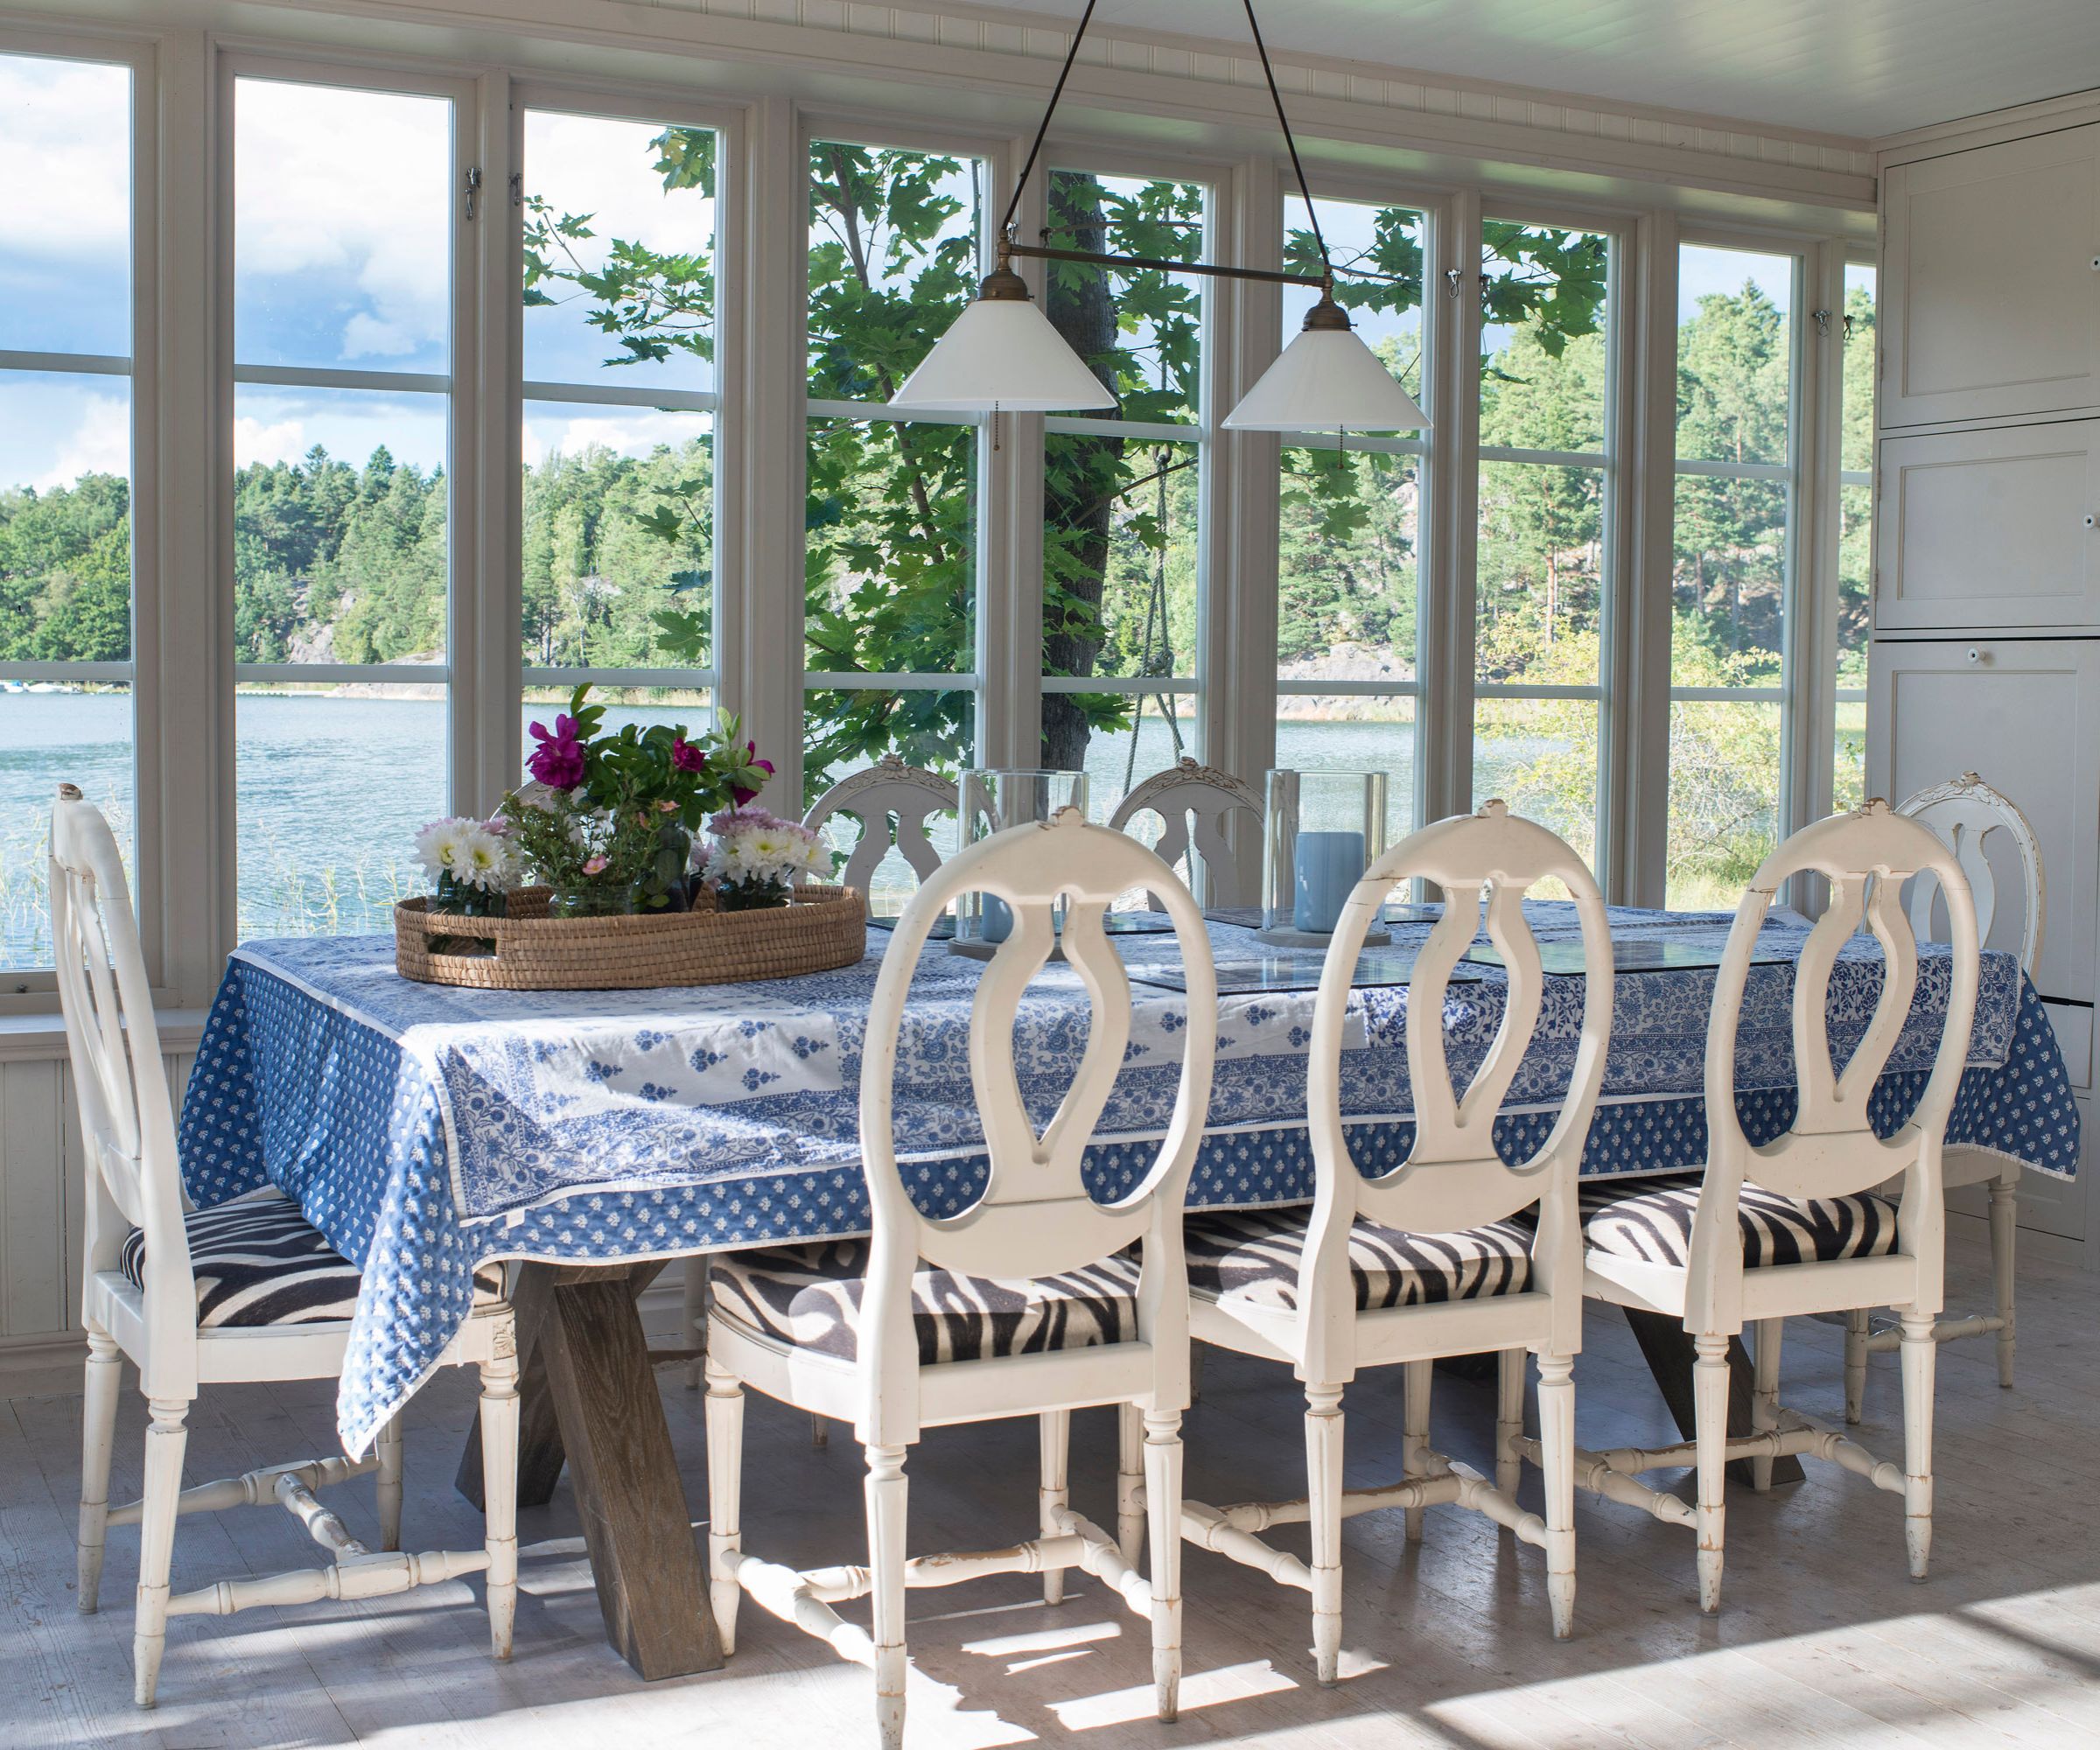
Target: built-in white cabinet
[(2025, 714), (1998, 527), (1990, 281)]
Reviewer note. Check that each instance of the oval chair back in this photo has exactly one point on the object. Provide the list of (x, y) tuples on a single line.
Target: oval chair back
[(1034, 1217), (1963, 815), (1831, 1149), (893, 802), (1454, 1176), (126, 1118), (1193, 803)]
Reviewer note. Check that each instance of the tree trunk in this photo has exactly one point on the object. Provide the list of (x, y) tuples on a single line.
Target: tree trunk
[(1078, 492)]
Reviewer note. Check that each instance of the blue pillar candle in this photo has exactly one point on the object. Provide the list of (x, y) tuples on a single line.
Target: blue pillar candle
[(1325, 870), (994, 920)]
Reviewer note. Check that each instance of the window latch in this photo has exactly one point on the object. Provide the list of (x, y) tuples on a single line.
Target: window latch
[(517, 188), (1823, 322), (473, 188), (1451, 277)]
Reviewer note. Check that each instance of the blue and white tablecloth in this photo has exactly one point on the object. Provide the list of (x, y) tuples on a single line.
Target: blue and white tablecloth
[(425, 1130)]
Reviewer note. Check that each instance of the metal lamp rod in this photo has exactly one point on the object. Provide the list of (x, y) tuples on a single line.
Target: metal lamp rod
[(1045, 253)]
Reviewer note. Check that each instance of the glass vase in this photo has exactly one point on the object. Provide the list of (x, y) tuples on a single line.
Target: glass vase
[(1322, 832), (991, 801), (608, 902), (464, 899), (752, 896)]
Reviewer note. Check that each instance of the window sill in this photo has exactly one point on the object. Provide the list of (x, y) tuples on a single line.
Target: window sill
[(41, 1038)]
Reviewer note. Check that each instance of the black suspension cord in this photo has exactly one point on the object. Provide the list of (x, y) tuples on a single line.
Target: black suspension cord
[(1058, 91), (1290, 139)]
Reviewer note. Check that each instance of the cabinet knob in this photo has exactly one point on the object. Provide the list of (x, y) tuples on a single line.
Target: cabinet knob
[(2091, 520), (1976, 655)]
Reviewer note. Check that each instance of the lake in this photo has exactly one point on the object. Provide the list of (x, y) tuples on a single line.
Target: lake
[(332, 789)]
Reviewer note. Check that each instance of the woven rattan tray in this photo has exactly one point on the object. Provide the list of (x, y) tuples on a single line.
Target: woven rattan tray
[(823, 930)]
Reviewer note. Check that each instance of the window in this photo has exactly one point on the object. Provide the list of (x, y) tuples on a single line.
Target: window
[(343, 357), (1540, 566), (617, 543), (66, 301), (890, 590), (1350, 523), (1733, 570), (1855, 537), (1122, 559)]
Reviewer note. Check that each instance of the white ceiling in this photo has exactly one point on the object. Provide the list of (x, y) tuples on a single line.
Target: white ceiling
[(1860, 69)]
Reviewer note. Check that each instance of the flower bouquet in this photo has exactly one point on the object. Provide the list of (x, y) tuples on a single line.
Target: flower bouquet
[(607, 823), (473, 864), (757, 859)]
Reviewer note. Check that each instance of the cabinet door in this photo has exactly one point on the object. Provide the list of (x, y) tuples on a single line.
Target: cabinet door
[(2026, 716), (1992, 294), (1992, 528)]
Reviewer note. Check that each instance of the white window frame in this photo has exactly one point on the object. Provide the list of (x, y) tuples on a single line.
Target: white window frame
[(1603, 693), (1085, 158), (25, 989), (878, 136), (625, 105), (463, 406), (1433, 453)]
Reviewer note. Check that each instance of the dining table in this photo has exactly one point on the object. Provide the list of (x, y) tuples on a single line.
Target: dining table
[(592, 1136)]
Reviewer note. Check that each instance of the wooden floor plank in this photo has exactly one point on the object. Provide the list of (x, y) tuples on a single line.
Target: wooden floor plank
[(1822, 1640)]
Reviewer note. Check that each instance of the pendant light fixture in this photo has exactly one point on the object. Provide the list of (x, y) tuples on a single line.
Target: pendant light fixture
[(1002, 353)]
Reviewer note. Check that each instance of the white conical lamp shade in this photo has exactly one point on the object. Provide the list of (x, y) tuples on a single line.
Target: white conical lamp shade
[(1002, 355), (1327, 380)]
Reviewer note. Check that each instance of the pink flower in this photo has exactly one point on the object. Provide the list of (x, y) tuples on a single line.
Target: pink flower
[(666, 806), (687, 757), (738, 793), (595, 866), (557, 762)]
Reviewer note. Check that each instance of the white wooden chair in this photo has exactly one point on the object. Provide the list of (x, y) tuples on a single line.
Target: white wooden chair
[(245, 1291), (1023, 1305), (1424, 1260), (1194, 802), (893, 802), (1965, 814), (1791, 1227)]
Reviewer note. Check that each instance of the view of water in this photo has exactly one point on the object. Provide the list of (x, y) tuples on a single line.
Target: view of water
[(331, 790)]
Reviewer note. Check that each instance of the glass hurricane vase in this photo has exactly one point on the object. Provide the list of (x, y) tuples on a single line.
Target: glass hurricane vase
[(464, 899)]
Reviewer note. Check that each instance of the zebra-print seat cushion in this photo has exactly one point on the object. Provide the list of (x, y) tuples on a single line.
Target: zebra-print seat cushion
[(258, 1261), (1653, 1222), (1252, 1257), (809, 1296)]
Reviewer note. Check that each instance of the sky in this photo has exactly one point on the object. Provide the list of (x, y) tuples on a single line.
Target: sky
[(342, 261)]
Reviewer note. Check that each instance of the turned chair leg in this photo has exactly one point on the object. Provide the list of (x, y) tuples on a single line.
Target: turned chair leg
[(499, 1417), (886, 1505), (1920, 1352), (386, 1449), (1130, 1481), (165, 1439), (1323, 1490), (1508, 1421), (725, 1494), (1710, 1438), (98, 1435), (2005, 1220), (1557, 1452), (1764, 1392), (1163, 1513), (1855, 1362), (1414, 1438), (1053, 1435)]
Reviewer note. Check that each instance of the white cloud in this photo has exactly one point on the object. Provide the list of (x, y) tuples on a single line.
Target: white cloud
[(271, 442), (590, 164), (65, 157), (99, 444), (355, 186), (630, 434)]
